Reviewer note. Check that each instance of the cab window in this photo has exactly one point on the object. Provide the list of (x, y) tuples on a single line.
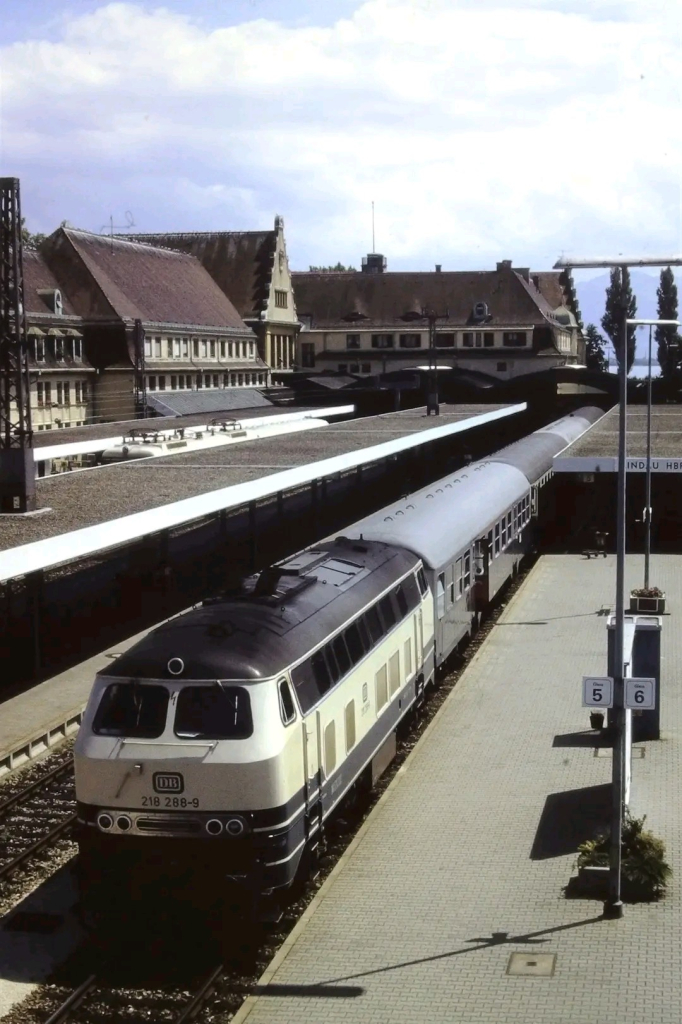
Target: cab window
[(132, 709), (287, 709), (216, 712)]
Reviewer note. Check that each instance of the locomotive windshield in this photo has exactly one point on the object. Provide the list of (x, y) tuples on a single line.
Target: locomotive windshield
[(130, 709), (217, 712)]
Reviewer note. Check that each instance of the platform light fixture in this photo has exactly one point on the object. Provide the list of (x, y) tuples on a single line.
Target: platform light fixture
[(647, 510), (613, 907)]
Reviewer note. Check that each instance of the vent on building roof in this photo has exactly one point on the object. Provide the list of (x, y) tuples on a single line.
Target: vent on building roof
[(373, 263), (52, 297), (439, 267)]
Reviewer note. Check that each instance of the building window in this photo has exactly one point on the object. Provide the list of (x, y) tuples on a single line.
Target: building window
[(77, 387), (355, 368), (212, 348), (479, 339), (488, 339), (280, 299), (48, 394), (174, 382), (382, 341), (501, 367), (222, 349), (59, 348), (195, 347), (207, 380), (169, 348), (514, 339), (216, 380), (307, 353), (148, 347), (352, 341), (151, 383), (176, 348), (59, 393), (204, 348), (445, 341), (410, 341), (162, 383), (468, 339), (157, 348), (39, 391), (366, 367)]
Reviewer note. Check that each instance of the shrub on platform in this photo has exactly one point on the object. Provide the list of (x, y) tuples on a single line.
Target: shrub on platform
[(644, 870)]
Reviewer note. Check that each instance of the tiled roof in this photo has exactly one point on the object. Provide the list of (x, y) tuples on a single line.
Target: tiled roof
[(340, 299), (152, 284), (551, 286), (240, 262), (38, 277)]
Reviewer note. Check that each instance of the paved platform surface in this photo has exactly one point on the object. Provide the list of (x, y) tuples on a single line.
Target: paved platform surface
[(462, 863), (79, 500)]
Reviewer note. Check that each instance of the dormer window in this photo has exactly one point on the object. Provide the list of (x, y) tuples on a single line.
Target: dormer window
[(59, 348), (480, 311), (52, 297), (39, 350)]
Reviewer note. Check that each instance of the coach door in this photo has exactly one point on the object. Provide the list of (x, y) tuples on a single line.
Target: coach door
[(311, 747)]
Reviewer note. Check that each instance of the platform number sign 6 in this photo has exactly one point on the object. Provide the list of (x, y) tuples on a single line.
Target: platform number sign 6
[(597, 691), (640, 693)]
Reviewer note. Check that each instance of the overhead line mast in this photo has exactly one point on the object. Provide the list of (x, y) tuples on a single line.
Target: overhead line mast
[(17, 471)]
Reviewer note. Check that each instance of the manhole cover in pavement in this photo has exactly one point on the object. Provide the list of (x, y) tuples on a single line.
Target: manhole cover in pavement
[(32, 921), (539, 965)]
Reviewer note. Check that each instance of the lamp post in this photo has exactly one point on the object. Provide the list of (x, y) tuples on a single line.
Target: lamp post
[(428, 314), (648, 510), (613, 907)]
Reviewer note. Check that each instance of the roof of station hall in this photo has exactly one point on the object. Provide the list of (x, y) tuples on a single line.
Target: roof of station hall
[(134, 280), (600, 442), (344, 299), (83, 499)]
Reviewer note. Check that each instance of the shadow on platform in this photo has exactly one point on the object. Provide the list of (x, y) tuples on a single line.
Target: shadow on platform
[(330, 991), (569, 818), (588, 738)]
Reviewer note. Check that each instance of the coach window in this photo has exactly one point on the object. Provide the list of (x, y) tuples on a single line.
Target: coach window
[(394, 672), (381, 684), (387, 612), (452, 588), (503, 532), (440, 595), (330, 749), (350, 725), (321, 672), (509, 527), (458, 574), (338, 646), (287, 708), (467, 570), (497, 539)]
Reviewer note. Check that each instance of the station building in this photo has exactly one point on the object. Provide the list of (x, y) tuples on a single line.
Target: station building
[(252, 270), (153, 321), (503, 323)]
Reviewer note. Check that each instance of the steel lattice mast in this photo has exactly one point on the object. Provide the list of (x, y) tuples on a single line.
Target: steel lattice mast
[(17, 473)]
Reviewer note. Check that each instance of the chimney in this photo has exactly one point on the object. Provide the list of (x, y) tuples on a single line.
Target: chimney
[(439, 267), (525, 273), (504, 265), (536, 281), (373, 263)]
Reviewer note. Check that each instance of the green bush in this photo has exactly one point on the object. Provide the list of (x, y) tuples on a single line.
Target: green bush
[(643, 863)]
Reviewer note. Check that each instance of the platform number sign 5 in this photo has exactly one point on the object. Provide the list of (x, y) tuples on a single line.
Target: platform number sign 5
[(597, 691)]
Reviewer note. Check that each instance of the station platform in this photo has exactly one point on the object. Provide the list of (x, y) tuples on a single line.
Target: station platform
[(464, 860)]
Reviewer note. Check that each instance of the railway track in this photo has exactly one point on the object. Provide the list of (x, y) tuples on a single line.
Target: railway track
[(35, 819)]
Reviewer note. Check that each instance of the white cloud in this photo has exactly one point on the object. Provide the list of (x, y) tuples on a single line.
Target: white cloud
[(483, 130)]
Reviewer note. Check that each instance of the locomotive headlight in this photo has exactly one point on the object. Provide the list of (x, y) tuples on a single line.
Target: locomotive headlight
[(235, 826), (105, 821), (214, 827), (123, 823)]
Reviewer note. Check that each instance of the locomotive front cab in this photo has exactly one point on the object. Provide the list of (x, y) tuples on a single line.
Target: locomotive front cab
[(198, 776)]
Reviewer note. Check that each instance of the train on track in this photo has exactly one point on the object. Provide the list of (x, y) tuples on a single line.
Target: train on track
[(216, 748)]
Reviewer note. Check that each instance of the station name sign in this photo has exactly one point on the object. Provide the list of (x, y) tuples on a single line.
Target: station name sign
[(608, 464)]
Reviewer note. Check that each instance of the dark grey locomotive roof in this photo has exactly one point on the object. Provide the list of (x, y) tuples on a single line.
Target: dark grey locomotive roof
[(278, 618), (534, 454)]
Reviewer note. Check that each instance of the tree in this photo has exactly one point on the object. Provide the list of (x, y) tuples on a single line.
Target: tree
[(28, 238), (667, 337), (595, 356), (620, 301), (325, 270)]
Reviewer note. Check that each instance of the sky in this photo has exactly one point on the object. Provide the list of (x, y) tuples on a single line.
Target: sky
[(482, 130)]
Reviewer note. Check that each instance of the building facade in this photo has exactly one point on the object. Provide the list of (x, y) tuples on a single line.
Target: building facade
[(153, 320), (60, 374), (501, 323), (252, 270)]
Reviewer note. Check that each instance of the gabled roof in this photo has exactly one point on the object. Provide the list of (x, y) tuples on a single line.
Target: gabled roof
[(37, 278), (149, 283), (382, 300), (240, 262)]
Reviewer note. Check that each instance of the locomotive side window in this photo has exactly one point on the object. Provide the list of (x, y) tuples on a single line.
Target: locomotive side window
[(343, 658), (401, 598), (365, 639), (373, 622), (216, 712), (421, 579), (131, 709), (354, 643), (329, 749), (387, 612), (286, 702), (321, 673)]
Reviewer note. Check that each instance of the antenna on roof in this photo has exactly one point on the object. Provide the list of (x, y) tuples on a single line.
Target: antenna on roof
[(373, 245), (130, 223)]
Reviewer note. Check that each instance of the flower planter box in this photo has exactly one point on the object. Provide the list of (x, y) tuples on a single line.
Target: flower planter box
[(647, 605)]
